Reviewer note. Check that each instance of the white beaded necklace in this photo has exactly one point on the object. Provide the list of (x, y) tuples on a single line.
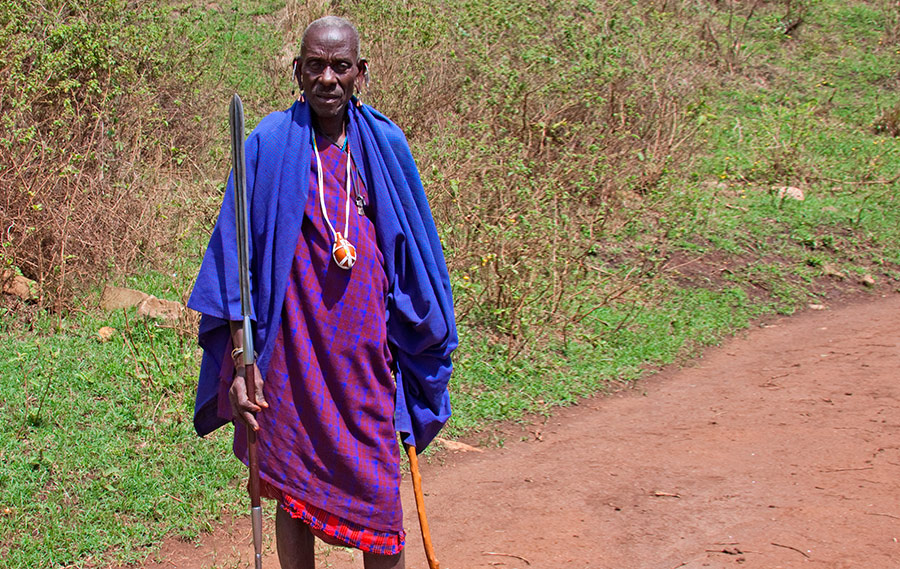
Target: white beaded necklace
[(342, 251)]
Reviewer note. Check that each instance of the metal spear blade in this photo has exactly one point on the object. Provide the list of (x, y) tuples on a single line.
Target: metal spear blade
[(239, 168)]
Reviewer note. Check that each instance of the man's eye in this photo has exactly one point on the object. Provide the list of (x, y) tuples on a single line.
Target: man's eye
[(315, 66), (341, 67)]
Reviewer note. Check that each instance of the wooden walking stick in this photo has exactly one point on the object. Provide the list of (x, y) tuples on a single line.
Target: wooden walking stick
[(420, 506), (238, 163)]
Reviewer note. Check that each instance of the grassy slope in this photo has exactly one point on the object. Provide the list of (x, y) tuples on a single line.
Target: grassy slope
[(97, 452), (796, 111)]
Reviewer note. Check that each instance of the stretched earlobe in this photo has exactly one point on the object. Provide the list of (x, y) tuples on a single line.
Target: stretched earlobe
[(364, 71), (295, 81), (363, 85)]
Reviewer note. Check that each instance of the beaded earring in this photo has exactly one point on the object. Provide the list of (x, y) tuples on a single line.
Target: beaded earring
[(294, 82)]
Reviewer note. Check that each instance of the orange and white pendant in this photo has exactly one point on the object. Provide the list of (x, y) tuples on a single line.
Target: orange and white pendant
[(343, 251)]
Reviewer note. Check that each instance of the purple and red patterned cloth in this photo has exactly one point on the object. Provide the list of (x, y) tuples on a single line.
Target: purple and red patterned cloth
[(327, 439)]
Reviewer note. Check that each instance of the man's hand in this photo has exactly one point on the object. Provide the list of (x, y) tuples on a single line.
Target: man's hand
[(241, 406)]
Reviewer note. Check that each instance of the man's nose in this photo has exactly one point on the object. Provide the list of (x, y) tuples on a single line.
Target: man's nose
[(329, 77)]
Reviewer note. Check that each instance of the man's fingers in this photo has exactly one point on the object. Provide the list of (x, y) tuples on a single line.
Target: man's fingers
[(241, 407), (250, 421), (260, 396), (235, 394), (239, 391)]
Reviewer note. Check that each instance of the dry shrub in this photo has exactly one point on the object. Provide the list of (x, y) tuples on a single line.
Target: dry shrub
[(93, 128), (725, 27)]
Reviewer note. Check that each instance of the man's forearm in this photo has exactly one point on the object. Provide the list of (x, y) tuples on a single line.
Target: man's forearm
[(237, 341)]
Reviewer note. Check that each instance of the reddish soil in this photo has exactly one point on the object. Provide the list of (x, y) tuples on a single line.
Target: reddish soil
[(779, 449)]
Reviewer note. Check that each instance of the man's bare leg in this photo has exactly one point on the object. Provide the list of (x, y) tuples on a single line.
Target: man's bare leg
[(384, 561), (295, 543)]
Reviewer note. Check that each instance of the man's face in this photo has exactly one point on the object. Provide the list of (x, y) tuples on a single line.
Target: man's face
[(329, 66)]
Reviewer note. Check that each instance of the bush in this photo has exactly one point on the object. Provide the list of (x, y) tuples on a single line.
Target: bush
[(95, 121)]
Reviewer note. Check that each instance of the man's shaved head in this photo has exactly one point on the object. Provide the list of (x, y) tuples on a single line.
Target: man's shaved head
[(330, 22), (330, 70)]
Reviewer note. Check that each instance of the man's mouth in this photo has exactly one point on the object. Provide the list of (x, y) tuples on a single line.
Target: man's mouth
[(328, 96)]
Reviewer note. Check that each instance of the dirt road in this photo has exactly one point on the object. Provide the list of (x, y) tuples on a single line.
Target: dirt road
[(779, 449)]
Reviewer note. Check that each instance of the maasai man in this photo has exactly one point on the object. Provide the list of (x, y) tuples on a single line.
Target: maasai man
[(350, 352)]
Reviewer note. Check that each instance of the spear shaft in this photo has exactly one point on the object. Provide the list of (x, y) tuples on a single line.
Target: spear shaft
[(238, 162)]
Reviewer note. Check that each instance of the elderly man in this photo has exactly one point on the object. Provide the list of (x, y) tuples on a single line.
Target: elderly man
[(353, 315)]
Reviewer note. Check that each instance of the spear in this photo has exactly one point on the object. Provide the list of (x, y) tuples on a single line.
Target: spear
[(238, 162)]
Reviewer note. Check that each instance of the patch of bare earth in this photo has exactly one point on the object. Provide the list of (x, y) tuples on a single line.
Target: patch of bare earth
[(779, 449)]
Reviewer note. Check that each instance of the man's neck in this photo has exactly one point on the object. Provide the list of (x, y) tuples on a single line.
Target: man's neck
[(331, 128)]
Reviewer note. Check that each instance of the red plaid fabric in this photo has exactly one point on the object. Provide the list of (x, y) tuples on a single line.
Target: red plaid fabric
[(336, 531)]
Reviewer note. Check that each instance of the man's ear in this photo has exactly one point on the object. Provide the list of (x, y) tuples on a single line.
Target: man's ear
[(363, 78)]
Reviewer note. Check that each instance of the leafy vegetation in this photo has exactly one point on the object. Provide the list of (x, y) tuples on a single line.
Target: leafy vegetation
[(610, 181), (97, 118)]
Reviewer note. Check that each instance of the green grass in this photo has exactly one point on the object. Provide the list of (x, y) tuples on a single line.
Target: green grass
[(98, 450)]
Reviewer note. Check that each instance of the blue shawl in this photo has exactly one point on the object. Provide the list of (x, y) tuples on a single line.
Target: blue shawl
[(420, 324)]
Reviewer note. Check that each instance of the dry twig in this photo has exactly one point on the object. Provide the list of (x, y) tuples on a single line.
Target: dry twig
[(801, 552), (848, 469), (527, 562), (885, 515)]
